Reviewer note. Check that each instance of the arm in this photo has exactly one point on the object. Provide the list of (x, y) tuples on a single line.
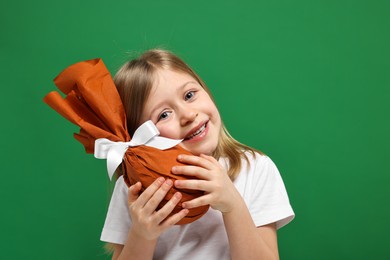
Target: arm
[(147, 223), (246, 241)]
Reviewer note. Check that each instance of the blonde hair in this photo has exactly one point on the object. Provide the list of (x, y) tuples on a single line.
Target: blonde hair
[(134, 81)]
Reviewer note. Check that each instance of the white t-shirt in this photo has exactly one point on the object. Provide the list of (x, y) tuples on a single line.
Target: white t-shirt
[(264, 193)]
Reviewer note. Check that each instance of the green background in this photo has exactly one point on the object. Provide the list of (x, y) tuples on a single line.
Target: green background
[(305, 81)]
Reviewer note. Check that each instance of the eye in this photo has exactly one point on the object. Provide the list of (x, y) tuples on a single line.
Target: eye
[(189, 95), (163, 115)]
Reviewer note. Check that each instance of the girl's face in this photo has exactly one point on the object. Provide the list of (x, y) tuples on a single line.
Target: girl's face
[(182, 109)]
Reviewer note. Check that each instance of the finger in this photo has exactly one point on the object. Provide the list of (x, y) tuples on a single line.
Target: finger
[(149, 191), (201, 185), (195, 160), (164, 212), (190, 170), (157, 197), (209, 158), (172, 220), (198, 202), (133, 192)]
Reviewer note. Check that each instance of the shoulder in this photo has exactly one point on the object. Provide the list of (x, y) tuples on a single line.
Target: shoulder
[(255, 161), (258, 170), (262, 187), (120, 183), (255, 156), (117, 221), (120, 189)]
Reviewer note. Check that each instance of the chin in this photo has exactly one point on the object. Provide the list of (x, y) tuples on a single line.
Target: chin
[(199, 150)]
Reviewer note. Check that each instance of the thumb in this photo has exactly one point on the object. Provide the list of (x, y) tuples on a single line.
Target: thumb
[(133, 192)]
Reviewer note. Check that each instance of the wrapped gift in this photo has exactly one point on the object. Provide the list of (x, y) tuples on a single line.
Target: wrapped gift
[(92, 102)]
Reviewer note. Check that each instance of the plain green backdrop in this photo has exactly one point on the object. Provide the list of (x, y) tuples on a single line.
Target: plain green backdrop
[(305, 81)]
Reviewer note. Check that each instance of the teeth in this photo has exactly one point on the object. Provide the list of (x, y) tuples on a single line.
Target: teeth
[(197, 132)]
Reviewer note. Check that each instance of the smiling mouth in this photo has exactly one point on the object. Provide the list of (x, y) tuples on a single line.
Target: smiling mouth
[(198, 132)]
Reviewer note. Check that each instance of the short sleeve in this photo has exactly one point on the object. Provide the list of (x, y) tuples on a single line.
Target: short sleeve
[(265, 193), (117, 223)]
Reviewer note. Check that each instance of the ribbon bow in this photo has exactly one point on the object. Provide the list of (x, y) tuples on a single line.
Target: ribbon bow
[(147, 134)]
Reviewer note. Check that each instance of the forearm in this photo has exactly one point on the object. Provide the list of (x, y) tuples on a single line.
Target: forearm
[(245, 240), (136, 248)]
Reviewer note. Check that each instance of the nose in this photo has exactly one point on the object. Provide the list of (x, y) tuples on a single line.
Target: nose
[(187, 115)]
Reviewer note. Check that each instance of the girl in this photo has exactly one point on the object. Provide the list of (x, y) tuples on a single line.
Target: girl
[(243, 187)]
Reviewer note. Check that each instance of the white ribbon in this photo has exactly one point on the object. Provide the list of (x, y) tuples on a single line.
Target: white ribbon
[(146, 134)]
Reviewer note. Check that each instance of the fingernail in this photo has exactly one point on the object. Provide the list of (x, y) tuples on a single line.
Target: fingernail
[(179, 157), (168, 182), (160, 180)]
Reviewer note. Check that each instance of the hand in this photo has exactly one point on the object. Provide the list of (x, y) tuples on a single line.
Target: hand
[(220, 192), (147, 223)]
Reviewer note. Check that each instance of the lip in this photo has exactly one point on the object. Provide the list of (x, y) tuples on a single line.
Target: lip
[(196, 128)]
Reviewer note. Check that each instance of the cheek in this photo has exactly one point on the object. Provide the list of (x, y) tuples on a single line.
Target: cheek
[(168, 131), (216, 115), (212, 109)]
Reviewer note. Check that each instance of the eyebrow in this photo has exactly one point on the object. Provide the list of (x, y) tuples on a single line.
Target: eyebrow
[(185, 84)]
